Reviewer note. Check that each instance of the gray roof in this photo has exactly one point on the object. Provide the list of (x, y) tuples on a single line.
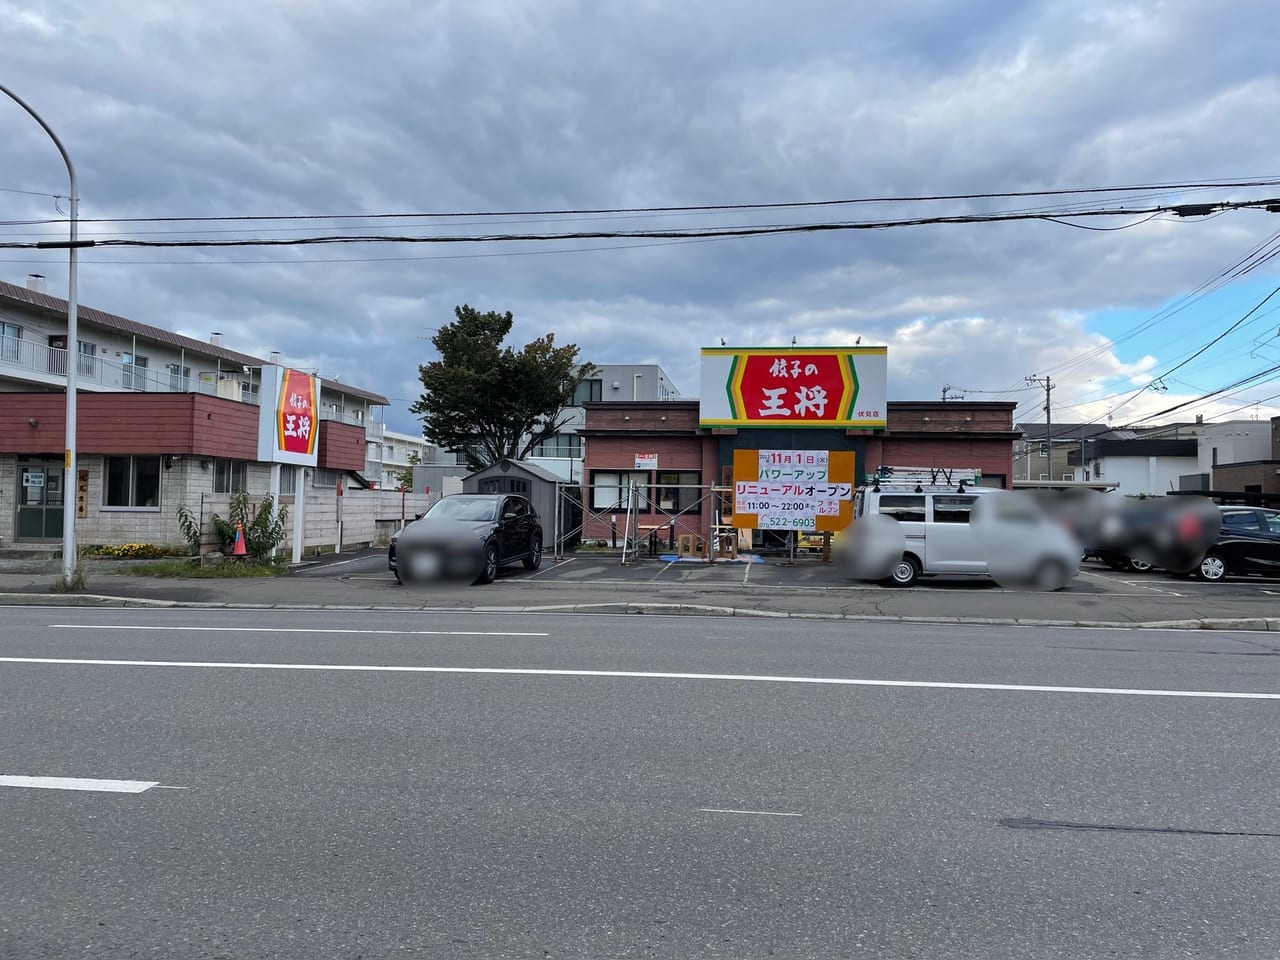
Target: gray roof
[(1063, 431), (532, 469), (57, 306)]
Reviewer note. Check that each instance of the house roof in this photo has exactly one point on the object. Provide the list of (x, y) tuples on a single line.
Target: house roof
[(532, 469), (58, 307), (1063, 431)]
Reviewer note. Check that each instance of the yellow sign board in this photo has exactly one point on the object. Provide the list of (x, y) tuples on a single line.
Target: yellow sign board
[(793, 489)]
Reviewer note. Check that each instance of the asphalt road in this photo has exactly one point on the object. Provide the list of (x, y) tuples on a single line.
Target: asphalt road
[(724, 791)]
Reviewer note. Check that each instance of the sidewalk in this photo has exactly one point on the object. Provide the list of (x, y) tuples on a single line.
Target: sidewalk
[(635, 591)]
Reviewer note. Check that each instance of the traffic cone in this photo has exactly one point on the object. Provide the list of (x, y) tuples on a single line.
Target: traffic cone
[(238, 550)]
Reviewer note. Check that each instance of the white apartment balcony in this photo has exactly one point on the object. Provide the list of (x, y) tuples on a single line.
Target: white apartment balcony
[(32, 362)]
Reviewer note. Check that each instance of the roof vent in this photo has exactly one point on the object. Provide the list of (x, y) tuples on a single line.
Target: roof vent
[(216, 339), (35, 281)]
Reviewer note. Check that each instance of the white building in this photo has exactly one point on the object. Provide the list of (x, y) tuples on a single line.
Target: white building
[(564, 453)]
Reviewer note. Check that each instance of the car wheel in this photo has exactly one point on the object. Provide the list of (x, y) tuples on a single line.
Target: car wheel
[(1212, 568), (534, 559), (489, 565), (906, 572), (1139, 566), (1050, 575)]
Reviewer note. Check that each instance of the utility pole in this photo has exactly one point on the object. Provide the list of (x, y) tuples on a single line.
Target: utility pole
[(947, 388), (1047, 383)]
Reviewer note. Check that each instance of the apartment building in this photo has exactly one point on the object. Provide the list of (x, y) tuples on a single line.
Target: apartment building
[(164, 421)]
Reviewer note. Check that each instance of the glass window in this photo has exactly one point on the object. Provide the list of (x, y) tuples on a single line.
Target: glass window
[(10, 337), (133, 373), (609, 490), (589, 391), (1067, 477), (288, 480), (905, 509), (132, 482), (679, 492), (178, 377), (87, 365), (562, 445), (1044, 476), (1044, 449), (230, 476), (952, 509), (1241, 520)]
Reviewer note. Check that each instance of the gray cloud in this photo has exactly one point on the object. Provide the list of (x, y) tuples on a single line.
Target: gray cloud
[(386, 106)]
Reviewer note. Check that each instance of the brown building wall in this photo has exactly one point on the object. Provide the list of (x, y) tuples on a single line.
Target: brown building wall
[(130, 423), (992, 457), (341, 446), (1265, 474)]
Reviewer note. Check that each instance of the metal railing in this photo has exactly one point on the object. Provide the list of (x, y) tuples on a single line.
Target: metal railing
[(28, 356)]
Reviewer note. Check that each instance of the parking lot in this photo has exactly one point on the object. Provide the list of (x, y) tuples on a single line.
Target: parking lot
[(808, 572)]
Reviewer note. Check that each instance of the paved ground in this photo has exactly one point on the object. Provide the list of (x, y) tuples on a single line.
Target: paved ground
[(345, 784), (589, 582)]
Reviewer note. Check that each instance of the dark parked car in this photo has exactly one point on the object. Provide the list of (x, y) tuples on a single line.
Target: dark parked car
[(1248, 543), (468, 536)]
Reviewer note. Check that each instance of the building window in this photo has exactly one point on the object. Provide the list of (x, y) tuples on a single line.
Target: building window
[(1044, 449), (230, 476), (679, 492), (565, 446), (133, 373), (132, 482), (1097, 469), (325, 479), (288, 480), (178, 377), (1068, 476), (10, 338), (610, 490), (87, 364), (589, 391), (1215, 456), (1044, 476)]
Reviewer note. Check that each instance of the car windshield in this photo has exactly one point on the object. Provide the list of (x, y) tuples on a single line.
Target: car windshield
[(462, 508)]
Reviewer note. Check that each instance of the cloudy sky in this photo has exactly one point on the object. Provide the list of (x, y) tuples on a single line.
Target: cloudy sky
[(360, 107)]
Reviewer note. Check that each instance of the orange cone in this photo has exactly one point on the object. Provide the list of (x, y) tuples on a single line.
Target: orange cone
[(238, 550)]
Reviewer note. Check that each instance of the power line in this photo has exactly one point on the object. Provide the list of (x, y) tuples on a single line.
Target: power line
[(1180, 186), (683, 233)]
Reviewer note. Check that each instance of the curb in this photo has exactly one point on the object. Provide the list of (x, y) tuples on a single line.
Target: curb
[(1255, 624)]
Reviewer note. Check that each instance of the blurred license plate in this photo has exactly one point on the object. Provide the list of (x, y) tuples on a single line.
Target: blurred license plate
[(425, 565)]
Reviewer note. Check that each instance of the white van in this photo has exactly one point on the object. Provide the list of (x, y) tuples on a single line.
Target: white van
[(953, 528)]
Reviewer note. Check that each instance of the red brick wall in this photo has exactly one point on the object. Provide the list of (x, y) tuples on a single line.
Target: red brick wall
[(989, 456), (341, 446), (130, 423), (683, 453)]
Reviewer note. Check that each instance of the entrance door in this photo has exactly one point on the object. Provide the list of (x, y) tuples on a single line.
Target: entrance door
[(39, 503)]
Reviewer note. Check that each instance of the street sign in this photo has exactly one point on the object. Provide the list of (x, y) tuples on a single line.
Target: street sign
[(808, 490)]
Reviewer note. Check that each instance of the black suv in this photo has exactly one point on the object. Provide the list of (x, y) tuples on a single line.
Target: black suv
[(468, 536), (1248, 543)]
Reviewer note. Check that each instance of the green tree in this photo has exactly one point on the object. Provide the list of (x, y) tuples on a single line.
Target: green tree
[(405, 477), (489, 402)]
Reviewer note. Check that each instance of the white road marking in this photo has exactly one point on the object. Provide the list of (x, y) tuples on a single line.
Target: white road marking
[(319, 564), (391, 633), (753, 813), (73, 783), (649, 675)]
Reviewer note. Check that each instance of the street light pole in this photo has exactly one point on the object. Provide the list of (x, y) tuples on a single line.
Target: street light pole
[(73, 355)]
